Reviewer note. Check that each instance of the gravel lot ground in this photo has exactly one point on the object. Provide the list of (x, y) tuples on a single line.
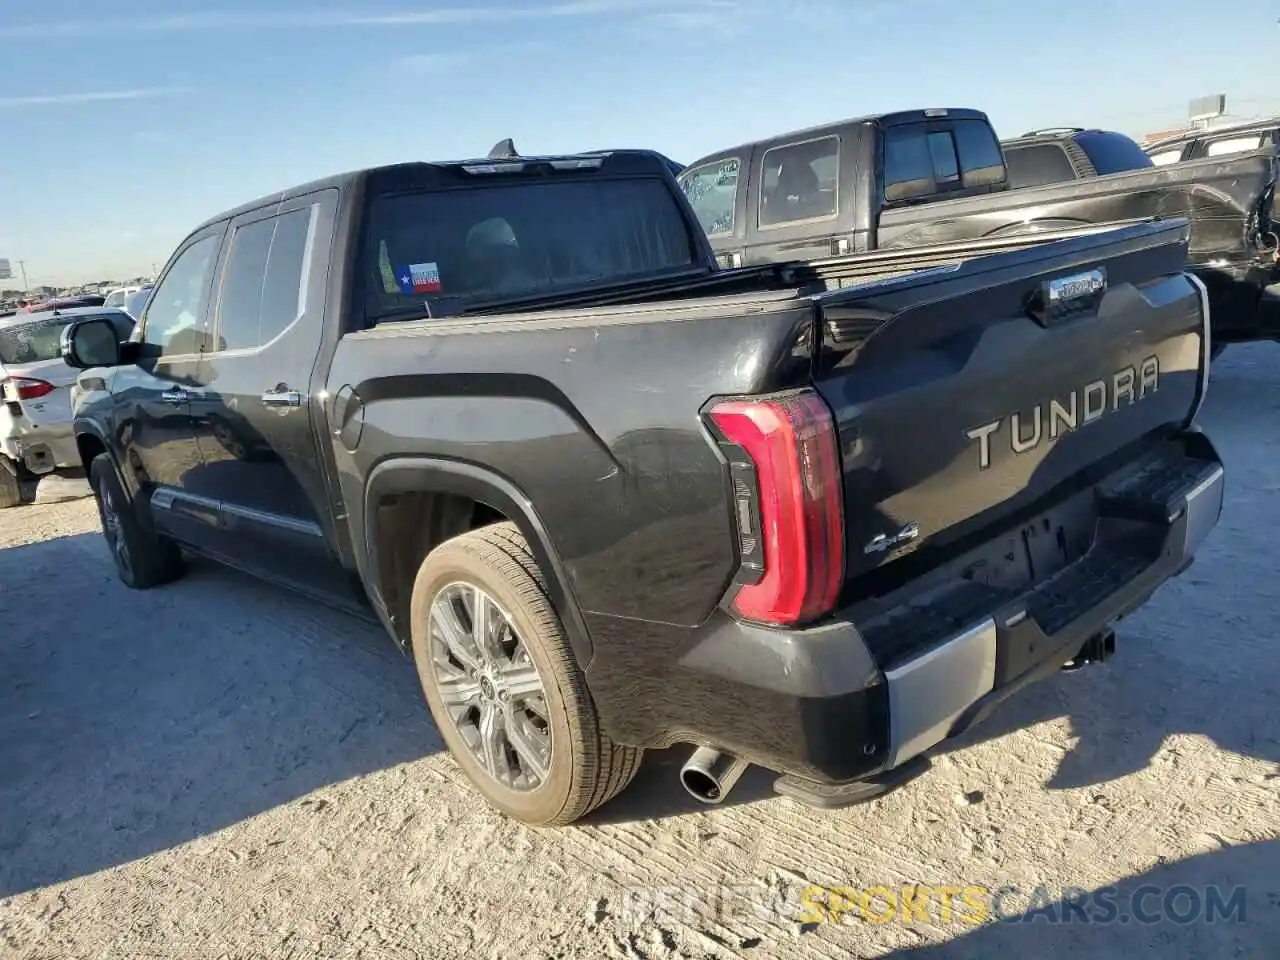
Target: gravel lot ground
[(218, 769)]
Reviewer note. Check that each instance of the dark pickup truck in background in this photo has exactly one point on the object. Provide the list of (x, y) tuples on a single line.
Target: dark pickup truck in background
[(1060, 154), (933, 178), (613, 497)]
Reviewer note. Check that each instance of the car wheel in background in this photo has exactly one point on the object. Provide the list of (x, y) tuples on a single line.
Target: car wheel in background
[(10, 489), (503, 685), (143, 558)]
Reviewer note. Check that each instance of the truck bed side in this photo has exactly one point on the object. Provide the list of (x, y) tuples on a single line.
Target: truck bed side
[(592, 415), (1226, 201)]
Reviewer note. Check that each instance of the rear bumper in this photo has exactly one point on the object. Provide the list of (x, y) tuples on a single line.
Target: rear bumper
[(41, 450), (858, 699)]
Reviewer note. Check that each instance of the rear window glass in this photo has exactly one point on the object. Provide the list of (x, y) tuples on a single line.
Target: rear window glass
[(1037, 165), (39, 340), (1112, 152), (919, 161), (980, 157), (493, 242)]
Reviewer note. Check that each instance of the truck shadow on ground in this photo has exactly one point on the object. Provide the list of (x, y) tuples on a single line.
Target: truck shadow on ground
[(132, 722), (1220, 904)]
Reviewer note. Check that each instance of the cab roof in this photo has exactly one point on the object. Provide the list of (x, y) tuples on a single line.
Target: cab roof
[(426, 173), (892, 119)]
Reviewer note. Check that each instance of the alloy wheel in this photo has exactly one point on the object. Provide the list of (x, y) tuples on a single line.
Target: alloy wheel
[(113, 530), (490, 686)]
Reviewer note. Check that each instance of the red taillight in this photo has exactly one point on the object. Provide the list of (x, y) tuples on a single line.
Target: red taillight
[(791, 443), (26, 388)]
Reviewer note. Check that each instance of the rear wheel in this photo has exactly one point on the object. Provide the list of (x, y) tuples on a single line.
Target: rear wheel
[(10, 489), (503, 685), (143, 558)]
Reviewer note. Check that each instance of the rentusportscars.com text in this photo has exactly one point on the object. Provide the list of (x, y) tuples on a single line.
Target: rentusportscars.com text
[(941, 904)]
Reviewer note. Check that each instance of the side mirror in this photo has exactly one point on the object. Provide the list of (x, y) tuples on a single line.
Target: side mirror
[(90, 343)]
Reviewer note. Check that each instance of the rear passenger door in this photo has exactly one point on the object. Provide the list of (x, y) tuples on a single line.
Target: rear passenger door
[(800, 205), (256, 411)]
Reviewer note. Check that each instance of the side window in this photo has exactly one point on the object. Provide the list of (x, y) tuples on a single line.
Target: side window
[(981, 162), (1166, 157), (1218, 148), (712, 190), (262, 283), (284, 291), (801, 182), (1037, 165), (176, 320)]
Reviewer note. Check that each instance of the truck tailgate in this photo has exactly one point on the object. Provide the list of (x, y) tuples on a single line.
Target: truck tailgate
[(964, 395)]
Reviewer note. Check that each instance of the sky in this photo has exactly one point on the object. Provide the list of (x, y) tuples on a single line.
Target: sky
[(123, 125)]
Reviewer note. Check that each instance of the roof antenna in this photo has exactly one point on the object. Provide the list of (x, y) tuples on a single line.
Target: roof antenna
[(504, 150)]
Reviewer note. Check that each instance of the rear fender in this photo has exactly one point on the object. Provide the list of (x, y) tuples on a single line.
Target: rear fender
[(432, 475)]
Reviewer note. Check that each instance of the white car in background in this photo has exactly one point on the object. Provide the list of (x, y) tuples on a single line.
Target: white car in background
[(135, 301), (35, 395), (116, 298)]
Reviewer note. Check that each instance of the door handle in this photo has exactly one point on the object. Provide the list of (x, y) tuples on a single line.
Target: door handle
[(177, 395), (282, 398)]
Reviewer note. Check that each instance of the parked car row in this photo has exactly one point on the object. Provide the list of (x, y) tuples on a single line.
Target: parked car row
[(921, 444)]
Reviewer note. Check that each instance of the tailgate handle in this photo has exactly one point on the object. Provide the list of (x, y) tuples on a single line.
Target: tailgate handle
[(1068, 297), (282, 398)]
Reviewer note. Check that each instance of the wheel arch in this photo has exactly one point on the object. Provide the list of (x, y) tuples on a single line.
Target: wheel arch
[(91, 443), (487, 489)]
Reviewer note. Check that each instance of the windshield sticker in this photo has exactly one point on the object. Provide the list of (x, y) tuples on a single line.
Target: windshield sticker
[(419, 278)]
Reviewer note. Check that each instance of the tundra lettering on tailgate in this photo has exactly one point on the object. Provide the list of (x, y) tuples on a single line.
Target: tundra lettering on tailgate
[(1085, 405)]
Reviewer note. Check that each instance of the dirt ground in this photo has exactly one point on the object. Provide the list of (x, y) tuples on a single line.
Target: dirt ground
[(217, 769)]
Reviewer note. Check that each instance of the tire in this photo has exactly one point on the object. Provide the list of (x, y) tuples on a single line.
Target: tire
[(10, 489), (585, 768), (143, 559)]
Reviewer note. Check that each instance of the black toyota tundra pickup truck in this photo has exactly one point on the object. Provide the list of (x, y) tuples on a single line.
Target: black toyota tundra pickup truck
[(926, 179), (611, 497)]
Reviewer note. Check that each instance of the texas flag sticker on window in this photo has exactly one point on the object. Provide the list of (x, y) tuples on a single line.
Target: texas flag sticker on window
[(419, 278)]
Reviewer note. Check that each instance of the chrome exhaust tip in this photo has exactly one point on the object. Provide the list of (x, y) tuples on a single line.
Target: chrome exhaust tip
[(708, 775)]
